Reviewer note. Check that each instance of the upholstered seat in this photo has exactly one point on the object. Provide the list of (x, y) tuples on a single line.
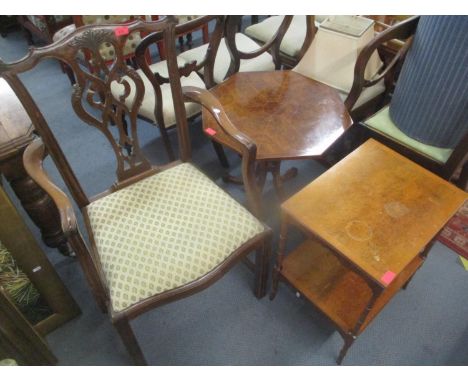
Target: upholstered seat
[(383, 124), (166, 231), (147, 107), (366, 95), (264, 62), (292, 40)]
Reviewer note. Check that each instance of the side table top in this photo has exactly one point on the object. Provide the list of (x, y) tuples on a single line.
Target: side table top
[(376, 208), (287, 115)]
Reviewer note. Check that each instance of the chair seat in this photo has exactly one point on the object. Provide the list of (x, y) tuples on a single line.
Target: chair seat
[(292, 40), (367, 94), (166, 231), (264, 62), (383, 124), (147, 106)]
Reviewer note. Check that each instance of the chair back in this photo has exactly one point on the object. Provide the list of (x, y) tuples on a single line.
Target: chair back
[(173, 76), (92, 99), (272, 46)]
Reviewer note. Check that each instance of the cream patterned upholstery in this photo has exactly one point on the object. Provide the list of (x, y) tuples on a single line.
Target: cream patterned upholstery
[(292, 40), (166, 231), (147, 106), (367, 94), (264, 62)]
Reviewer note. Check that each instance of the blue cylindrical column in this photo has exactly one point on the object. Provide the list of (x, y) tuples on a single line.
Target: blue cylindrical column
[(430, 103)]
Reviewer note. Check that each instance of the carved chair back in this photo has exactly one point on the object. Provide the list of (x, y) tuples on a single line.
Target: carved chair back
[(92, 99), (107, 51), (237, 141), (272, 46)]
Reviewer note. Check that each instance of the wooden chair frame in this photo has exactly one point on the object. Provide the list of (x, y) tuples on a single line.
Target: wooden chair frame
[(157, 80), (402, 31), (286, 61), (272, 46), (132, 166)]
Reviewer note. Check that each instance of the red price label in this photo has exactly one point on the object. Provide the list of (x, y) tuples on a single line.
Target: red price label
[(121, 31)]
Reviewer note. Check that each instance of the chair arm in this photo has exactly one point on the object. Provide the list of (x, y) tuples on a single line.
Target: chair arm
[(403, 31), (205, 98), (234, 138), (33, 158)]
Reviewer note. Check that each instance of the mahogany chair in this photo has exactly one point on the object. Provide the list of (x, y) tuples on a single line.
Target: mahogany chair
[(296, 40), (237, 52), (107, 51), (447, 163), (157, 105), (157, 234)]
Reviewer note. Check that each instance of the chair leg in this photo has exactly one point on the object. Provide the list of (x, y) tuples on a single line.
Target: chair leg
[(128, 337), (262, 260), (221, 154), (167, 143)]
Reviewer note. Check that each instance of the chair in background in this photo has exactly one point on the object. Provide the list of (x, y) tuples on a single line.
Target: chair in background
[(240, 53), (294, 43), (157, 234), (42, 27), (157, 105), (449, 163), (107, 52)]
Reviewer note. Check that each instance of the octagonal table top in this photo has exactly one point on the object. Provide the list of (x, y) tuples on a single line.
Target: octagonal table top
[(287, 115)]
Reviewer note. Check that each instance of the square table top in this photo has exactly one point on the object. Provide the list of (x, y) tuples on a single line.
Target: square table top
[(375, 208)]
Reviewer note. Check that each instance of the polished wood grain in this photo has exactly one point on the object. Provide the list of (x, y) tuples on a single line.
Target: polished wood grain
[(376, 208), (335, 289), (286, 114), (370, 221)]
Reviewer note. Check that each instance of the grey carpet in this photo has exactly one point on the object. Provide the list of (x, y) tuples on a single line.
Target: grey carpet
[(225, 324)]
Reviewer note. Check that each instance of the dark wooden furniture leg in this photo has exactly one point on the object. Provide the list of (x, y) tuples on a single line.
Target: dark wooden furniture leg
[(262, 259), (221, 154), (280, 257), (167, 143), (130, 342)]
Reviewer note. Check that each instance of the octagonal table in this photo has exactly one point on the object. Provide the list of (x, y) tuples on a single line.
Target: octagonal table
[(287, 115)]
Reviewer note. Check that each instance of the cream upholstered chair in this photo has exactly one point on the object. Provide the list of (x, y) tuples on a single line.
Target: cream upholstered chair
[(291, 48), (107, 51), (256, 57), (157, 107), (158, 233)]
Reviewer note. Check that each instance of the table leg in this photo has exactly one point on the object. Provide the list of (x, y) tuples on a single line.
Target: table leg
[(349, 340), (279, 258), (37, 204), (351, 337), (278, 179)]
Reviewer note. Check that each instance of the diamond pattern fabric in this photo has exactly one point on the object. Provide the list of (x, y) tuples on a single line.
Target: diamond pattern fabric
[(166, 231)]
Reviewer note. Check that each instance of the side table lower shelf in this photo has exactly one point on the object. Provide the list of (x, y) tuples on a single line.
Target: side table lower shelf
[(336, 290)]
